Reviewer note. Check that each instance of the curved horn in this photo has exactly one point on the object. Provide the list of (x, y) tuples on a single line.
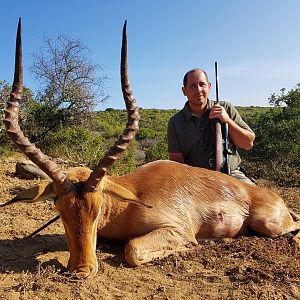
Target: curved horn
[(11, 121), (130, 131)]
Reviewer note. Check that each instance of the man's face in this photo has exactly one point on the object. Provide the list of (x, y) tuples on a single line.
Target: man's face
[(197, 88)]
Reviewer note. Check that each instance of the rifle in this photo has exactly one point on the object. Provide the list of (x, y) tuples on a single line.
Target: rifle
[(221, 129)]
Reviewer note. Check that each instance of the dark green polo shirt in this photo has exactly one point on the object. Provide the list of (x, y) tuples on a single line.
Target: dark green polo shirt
[(194, 137)]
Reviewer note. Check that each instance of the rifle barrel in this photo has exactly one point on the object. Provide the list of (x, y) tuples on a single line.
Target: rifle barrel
[(218, 129), (217, 81), (222, 150)]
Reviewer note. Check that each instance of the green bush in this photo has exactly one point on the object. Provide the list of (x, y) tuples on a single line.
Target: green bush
[(158, 150), (126, 163), (40, 120), (276, 154), (109, 123), (6, 151), (86, 147), (146, 133), (77, 144)]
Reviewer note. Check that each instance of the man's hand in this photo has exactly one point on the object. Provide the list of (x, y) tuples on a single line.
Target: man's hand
[(241, 137), (219, 112)]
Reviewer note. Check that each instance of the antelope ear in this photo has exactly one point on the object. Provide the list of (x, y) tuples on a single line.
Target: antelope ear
[(36, 193), (118, 192)]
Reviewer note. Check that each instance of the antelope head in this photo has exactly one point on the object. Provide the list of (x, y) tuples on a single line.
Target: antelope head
[(78, 193)]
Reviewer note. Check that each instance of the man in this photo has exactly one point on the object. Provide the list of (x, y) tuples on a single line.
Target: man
[(191, 137)]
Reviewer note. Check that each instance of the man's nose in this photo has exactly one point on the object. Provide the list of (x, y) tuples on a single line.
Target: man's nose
[(199, 88)]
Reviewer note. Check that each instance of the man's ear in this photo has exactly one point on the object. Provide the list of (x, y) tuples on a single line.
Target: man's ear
[(36, 193), (183, 91)]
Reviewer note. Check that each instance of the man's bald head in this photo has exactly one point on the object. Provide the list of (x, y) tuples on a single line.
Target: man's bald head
[(185, 78)]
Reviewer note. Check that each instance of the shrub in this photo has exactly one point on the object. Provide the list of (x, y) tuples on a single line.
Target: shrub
[(276, 154), (126, 163), (77, 144), (158, 150)]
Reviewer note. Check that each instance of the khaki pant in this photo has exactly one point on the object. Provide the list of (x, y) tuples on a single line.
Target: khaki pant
[(238, 174)]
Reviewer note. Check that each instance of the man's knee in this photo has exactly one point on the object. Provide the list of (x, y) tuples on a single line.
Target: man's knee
[(238, 174)]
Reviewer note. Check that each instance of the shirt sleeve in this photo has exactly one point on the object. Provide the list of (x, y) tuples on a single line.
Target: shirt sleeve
[(173, 142), (235, 116)]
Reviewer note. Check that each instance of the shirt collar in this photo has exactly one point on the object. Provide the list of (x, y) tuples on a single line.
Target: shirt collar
[(188, 113)]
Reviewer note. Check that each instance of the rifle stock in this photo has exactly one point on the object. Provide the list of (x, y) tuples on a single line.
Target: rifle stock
[(218, 147)]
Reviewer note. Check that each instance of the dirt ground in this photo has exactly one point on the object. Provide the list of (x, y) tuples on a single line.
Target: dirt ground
[(248, 267)]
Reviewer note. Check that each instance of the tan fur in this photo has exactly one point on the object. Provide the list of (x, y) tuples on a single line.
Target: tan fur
[(185, 205)]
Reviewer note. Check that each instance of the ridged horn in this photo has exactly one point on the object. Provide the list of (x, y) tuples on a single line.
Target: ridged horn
[(11, 121), (130, 131)]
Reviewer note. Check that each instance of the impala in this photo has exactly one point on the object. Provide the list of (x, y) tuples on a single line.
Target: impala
[(160, 208)]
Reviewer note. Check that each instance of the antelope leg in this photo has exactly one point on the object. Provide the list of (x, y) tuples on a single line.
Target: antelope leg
[(273, 220), (158, 243)]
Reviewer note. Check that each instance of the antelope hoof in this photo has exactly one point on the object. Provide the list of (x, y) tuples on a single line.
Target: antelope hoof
[(85, 271), (296, 240)]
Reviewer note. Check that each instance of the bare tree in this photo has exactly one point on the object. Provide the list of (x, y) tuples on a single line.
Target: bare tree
[(69, 80)]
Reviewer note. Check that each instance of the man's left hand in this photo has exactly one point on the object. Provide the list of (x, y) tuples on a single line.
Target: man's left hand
[(219, 112)]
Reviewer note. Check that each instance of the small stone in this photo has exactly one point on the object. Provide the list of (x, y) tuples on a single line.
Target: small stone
[(28, 170)]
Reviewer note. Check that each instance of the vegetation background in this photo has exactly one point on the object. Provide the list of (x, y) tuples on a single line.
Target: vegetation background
[(275, 155)]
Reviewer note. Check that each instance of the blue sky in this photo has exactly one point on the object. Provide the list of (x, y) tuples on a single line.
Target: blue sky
[(255, 42)]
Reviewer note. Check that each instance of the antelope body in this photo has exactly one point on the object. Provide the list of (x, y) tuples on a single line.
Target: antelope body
[(160, 208)]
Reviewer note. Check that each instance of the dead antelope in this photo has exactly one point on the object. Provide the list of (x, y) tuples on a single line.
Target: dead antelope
[(160, 208)]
